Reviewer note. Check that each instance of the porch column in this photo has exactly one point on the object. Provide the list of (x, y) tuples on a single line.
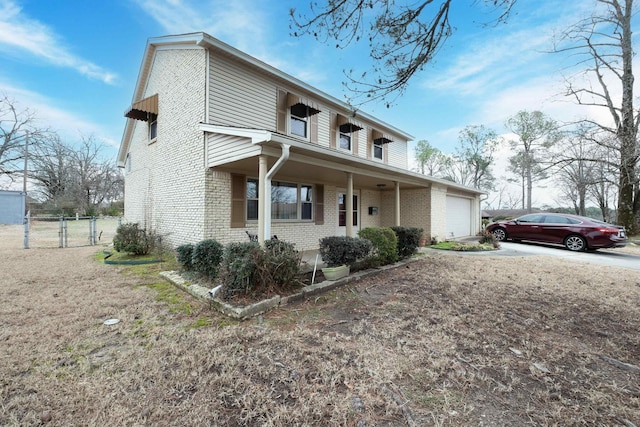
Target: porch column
[(262, 198), (397, 216), (349, 205)]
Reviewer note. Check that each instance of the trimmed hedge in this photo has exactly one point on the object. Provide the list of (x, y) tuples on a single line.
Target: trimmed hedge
[(408, 240), (385, 244), (184, 255), (206, 259), (133, 240), (341, 250)]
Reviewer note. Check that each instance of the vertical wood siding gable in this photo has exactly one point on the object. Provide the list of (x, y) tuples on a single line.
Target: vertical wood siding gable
[(313, 128), (281, 108), (319, 207), (333, 132), (238, 194)]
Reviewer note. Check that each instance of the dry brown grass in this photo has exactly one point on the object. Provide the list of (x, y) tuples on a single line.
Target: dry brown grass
[(451, 340)]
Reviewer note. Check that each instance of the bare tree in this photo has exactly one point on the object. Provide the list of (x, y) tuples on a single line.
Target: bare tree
[(14, 124), (536, 133), (576, 167), (402, 36), (97, 180), (75, 177), (604, 47), (50, 168)]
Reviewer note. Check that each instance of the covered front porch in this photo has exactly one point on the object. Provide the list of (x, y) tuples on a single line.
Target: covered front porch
[(348, 192)]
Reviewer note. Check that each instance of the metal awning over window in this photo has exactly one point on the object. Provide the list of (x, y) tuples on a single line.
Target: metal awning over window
[(302, 107), (348, 125), (381, 138), (144, 109)]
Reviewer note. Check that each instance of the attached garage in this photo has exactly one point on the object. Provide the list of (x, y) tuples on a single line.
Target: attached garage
[(459, 215)]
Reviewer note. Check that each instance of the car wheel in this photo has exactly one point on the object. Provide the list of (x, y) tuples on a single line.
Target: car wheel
[(500, 234), (575, 243)]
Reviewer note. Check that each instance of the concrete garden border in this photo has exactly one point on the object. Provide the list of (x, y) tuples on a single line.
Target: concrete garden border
[(260, 307)]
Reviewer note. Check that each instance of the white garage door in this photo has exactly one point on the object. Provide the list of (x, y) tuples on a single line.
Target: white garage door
[(458, 217)]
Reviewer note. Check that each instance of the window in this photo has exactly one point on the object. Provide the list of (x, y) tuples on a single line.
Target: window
[(377, 149), (342, 210), (534, 218), (252, 199), (299, 114), (289, 201), (153, 126), (345, 141), (306, 202)]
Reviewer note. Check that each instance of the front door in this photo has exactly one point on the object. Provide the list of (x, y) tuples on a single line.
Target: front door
[(342, 212)]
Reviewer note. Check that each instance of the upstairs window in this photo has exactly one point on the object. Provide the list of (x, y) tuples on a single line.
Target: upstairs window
[(298, 122), (300, 112), (346, 128), (345, 141), (377, 150), (379, 139), (153, 127)]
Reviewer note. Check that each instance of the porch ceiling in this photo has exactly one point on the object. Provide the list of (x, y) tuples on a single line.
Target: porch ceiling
[(323, 169)]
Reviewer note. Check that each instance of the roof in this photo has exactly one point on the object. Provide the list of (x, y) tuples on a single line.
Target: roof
[(203, 40)]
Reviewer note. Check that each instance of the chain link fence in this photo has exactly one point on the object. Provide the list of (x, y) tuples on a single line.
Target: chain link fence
[(65, 232)]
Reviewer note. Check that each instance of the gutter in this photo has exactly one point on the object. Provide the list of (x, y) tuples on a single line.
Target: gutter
[(267, 191)]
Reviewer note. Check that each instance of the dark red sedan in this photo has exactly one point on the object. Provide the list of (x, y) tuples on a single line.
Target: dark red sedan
[(576, 233)]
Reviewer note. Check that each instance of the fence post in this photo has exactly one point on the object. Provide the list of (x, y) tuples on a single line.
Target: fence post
[(119, 221), (60, 233), (92, 227), (27, 223), (66, 232)]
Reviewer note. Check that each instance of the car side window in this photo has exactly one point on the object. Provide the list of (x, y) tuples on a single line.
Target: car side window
[(531, 218), (555, 219)]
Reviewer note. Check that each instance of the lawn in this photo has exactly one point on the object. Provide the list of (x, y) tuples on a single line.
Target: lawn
[(449, 340)]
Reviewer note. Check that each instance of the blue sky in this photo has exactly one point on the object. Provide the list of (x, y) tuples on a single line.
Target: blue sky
[(75, 62)]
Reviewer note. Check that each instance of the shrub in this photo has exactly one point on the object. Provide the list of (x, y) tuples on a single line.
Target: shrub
[(339, 250), (385, 244), (487, 237), (184, 255), (279, 266), (249, 269), (206, 258), (408, 240), (239, 267), (133, 240)]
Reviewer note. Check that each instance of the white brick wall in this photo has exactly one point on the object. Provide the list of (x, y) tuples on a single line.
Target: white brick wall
[(165, 188)]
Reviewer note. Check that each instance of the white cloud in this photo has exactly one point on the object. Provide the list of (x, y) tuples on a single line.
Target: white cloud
[(19, 33)]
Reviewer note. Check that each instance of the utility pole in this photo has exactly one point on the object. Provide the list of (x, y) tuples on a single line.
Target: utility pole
[(26, 159)]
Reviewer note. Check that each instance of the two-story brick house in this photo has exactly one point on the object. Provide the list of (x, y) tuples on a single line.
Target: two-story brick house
[(212, 130)]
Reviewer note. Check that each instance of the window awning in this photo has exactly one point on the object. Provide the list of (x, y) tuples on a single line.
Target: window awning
[(348, 125), (143, 109), (381, 138), (301, 106)]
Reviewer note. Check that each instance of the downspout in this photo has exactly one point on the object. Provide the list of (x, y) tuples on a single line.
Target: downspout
[(267, 191)]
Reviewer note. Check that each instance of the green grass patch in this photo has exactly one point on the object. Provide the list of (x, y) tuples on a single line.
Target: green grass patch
[(174, 298), (201, 322)]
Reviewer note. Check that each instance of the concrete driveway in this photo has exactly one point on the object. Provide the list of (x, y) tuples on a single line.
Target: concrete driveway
[(607, 257)]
